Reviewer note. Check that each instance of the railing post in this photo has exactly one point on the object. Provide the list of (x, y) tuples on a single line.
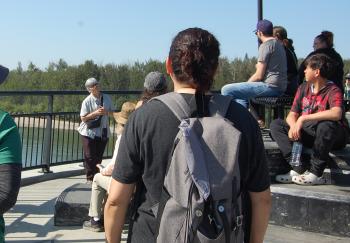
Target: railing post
[(260, 9), (47, 138)]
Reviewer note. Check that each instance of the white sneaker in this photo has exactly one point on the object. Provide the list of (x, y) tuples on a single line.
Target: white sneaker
[(308, 179), (287, 178)]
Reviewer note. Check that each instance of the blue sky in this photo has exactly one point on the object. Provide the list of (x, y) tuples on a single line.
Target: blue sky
[(107, 31)]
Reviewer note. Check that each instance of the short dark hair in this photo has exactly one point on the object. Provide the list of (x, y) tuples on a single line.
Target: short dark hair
[(194, 54), (322, 62)]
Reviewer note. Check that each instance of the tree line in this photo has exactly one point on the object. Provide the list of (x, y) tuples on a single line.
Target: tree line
[(61, 76)]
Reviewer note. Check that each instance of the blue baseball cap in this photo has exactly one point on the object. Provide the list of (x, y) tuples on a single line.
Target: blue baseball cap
[(265, 26)]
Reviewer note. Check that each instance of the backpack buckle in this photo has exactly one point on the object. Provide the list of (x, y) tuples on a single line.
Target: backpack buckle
[(237, 223), (239, 220)]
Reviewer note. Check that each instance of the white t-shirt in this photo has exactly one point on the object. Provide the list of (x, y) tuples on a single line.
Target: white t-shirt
[(90, 104)]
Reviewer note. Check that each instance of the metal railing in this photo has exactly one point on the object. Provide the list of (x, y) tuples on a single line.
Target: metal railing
[(51, 138)]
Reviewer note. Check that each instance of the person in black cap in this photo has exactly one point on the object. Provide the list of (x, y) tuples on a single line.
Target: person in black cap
[(270, 77), (10, 161)]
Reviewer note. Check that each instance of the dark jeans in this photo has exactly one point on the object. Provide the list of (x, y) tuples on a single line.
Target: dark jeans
[(10, 182), (321, 136), (93, 153)]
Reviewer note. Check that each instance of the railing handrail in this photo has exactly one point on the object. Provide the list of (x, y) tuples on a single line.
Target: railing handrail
[(65, 92), (51, 136)]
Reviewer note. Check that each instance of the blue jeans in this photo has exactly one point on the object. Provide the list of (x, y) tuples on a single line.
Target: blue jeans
[(242, 92)]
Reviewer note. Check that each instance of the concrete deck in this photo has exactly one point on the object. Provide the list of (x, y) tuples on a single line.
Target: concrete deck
[(31, 220)]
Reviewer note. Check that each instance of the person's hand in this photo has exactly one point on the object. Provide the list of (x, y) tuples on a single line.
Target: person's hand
[(102, 169), (100, 111), (294, 132), (103, 172)]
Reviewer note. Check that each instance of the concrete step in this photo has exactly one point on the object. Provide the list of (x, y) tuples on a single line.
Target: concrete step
[(334, 176), (337, 173), (323, 209), (279, 234)]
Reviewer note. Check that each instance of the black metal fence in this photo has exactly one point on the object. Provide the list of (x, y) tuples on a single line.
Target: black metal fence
[(51, 138)]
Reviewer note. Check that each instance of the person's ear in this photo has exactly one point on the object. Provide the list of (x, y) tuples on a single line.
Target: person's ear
[(168, 66), (317, 73)]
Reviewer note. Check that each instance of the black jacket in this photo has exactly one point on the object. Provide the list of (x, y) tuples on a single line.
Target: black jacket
[(336, 76)]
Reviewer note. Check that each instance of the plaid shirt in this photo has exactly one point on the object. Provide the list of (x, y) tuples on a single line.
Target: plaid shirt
[(306, 102)]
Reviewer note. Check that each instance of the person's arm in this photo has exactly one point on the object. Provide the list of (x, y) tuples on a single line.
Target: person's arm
[(259, 72), (261, 205), (115, 209), (294, 130), (92, 115), (333, 114)]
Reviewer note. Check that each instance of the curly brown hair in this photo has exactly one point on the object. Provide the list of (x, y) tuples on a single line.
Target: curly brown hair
[(194, 54)]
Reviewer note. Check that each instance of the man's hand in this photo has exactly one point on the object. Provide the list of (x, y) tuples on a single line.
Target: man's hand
[(100, 111), (294, 132)]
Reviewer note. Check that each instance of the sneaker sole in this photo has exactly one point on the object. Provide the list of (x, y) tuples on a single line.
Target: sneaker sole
[(93, 229)]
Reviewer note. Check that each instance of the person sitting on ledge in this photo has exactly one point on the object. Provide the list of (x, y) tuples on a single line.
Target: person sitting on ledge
[(101, 181), (316, 119), (270, 77), (324, 43)]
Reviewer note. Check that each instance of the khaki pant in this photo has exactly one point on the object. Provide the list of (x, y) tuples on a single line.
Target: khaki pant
[(99, 189)]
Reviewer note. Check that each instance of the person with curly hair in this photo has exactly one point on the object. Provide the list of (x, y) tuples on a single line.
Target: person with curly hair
[(148, 141)]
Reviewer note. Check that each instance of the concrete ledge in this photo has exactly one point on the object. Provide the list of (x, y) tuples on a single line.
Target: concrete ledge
[(321, 209), (49, 176)]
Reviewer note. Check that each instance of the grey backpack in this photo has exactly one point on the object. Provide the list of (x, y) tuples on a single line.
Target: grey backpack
[(201, 199)]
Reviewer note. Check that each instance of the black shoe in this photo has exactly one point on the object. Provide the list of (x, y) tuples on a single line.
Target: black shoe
[(92, 225)]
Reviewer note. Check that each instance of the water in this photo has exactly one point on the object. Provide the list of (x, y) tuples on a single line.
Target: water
[(66, 146)]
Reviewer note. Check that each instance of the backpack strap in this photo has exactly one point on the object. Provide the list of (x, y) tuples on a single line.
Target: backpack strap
[(218, 105), (176, 103)]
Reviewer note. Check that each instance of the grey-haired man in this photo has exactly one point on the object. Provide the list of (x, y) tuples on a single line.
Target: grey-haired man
[(94, 129)]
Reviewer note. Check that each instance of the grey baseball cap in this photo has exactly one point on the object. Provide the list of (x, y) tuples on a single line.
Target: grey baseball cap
[(4, 72), (347, 76), (155, 81), (91, 82)]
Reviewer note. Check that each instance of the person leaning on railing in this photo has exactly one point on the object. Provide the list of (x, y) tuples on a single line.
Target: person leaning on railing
[(10, 161), (94, 129)]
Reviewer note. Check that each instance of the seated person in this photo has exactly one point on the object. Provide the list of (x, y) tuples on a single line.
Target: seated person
[(280, 33), (155, 84), (316, 119), (101, 181), (323, 43), (270, 77)]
